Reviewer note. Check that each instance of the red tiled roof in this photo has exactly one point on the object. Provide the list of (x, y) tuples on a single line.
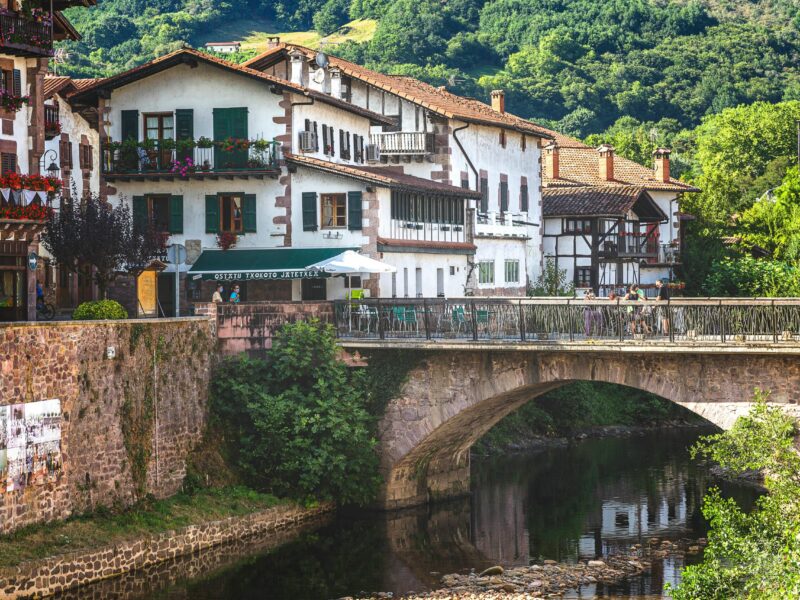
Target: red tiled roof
[(381, 176), (599, 201), (82, 84), (53, 85), (436, 99)]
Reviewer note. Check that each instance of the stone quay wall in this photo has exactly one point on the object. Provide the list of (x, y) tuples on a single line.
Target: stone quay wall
[(249, 326), (133, 405), (59, 574)]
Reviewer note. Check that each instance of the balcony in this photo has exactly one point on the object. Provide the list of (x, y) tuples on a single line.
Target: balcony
[(26, 36), (630, 245), (403, 143), (503, 225), (190, 159), (667, 255)]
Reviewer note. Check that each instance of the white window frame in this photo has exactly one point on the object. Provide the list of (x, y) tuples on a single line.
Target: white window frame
[(514, 264), (486, 272)]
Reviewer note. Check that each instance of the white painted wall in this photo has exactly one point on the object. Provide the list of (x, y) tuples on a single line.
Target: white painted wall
[(408, 262), (332, 117), (75, 126), (21, 117)]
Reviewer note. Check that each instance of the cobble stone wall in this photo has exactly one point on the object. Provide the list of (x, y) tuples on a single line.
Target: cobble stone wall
[(142, 559), (128, 422)]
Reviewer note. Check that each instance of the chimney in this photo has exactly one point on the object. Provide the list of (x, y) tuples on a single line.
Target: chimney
[(336, 82), (661, 156), (606, 152), (296, 67), (499, 101), (551, 170), (273, 41)]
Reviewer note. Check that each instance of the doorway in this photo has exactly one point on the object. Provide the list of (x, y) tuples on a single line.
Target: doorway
[(314, 289)]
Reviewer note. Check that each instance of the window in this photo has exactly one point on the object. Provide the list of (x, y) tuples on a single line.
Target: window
[(503, 196), (523, 197), (334, 211), (158, 211), (577, 226), (583, 277), (418, 208), (484, 195), (230, 214), (160, 127), (344, 143), (352, 282), (8, 162), (512, 271), (486, 271), (503, 138), (347, 84), (11, 81), (524, 143), (85, 156)]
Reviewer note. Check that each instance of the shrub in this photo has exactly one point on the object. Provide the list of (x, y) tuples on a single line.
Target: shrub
[(100, 310), (297, 424)]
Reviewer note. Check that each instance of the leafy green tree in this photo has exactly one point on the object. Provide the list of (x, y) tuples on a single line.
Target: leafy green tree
[(296, 424), (332, 15), (748, 276), (411, 31), (552, 282), (752, 555)]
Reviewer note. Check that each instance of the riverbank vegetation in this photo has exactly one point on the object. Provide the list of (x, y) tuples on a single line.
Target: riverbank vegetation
[(756, 554), (297, 424), (104, 526)]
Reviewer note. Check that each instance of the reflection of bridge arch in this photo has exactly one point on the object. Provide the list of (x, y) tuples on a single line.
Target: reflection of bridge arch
[(454, 396)]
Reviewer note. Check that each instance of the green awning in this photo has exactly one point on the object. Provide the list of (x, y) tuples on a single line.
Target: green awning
[(261, 265)]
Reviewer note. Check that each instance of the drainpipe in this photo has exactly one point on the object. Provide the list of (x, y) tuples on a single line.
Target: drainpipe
[(470, 258)]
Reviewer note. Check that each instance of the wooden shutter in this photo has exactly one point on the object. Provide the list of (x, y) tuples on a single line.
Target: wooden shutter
[(184, 129), (130, 124), (354, 211), (523, 201), (8, 162), (17, 89), (90, 156), (176, 214), (503, 196), (309, 211), (333, 146), (249, 213), (140, 212), (484, 196), (212, 214), (325, 138), (316, 138), (230, 122)]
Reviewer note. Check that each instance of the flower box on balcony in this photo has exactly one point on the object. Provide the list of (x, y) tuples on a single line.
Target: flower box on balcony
[(32, 212), (12, 102)]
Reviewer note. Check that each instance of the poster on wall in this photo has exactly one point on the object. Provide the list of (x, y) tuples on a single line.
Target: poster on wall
[(30, 444)]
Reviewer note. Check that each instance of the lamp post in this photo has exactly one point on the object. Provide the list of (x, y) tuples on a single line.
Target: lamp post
[(52, 169)]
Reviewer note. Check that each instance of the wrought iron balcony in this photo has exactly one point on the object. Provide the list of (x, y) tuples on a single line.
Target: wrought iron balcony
[(403, 143), (26, 36)]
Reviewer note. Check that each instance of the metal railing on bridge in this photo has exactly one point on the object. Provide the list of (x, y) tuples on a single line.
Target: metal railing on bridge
[(561, 319)]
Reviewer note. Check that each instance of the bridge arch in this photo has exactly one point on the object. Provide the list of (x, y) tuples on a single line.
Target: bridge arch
[(453, 397)]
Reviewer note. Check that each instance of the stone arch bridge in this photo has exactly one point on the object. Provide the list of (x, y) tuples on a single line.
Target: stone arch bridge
[(459, 388)]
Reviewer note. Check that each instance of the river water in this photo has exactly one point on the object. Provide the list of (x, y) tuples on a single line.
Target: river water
[(583, 501)]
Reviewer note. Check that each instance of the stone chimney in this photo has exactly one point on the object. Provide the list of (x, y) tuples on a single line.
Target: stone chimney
[(499, 101), (273, 41), (296, 67), (606, 152), (661, 156), (551, 170)]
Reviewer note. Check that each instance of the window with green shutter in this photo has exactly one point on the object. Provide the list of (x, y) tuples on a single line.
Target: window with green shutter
[(176, 214), (17, 82), (212, 214), (503, 196), (130, 125), (523, 200), (230, 123), (184, 130), (484, 195), (249, 210), (354, 211), (310, 211), (140, 212)]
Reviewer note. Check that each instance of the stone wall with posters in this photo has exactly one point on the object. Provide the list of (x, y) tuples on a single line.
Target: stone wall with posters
[(97, 413)]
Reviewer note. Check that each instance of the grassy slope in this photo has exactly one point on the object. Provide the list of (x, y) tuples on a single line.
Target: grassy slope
[(254, 36), (104, 528)]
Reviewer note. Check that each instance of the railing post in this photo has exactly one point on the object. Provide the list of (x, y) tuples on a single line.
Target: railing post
[(425, 313), (474, 321), (569, 321), (620, 322), (521, 322), (669, 321), (721, 321), (381, 332), (774, 323)]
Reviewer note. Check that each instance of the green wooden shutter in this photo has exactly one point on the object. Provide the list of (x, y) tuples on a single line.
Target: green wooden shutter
[(354, 211), (523, 203), (184, 129), (503, 196), (176, 214), (130, 124), (140, 212), (309, 211), (249, 212), (484, 196), (212, 214)]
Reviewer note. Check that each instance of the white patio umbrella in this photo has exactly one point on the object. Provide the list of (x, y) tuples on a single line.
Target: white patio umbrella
[(351, 262)]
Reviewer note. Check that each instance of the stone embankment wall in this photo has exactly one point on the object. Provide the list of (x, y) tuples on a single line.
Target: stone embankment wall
[(70, 571), (249, 326), (133, 404)]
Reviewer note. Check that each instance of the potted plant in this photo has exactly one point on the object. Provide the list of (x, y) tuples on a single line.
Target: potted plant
[(204, 142), (226, 240)]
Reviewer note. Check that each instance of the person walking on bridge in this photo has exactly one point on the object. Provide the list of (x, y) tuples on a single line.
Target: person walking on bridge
[(663, 296)]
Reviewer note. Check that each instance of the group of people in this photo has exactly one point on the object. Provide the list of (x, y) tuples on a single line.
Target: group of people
[(637, 317), (218, 297)]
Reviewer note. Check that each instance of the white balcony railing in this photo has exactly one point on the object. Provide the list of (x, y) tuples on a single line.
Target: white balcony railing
[(403, 142), (501, 224)]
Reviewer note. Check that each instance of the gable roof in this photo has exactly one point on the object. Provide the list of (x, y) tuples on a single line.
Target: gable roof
[(600, 201), (54, 85), (89, 88), (435, 99), (381, 176)]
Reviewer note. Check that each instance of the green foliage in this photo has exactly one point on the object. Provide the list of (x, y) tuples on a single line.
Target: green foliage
[(751, 555), (773, 222), (747, 276), (297, 424), (552, 281), (99, 310)]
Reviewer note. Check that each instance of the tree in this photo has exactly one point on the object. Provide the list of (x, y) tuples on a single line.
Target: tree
[(755, 554), (552, 281), (297, 423), (93, 233)]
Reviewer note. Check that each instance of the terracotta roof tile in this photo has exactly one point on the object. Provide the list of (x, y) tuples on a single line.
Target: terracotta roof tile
[(596, 201), (53, 85), (381, 176), (438, 100)]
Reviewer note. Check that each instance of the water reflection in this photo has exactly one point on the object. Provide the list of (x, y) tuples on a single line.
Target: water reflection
[(585, 501)]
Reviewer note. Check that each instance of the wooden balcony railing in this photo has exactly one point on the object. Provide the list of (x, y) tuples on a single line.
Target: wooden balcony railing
[(403, 142), (26, 36)]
